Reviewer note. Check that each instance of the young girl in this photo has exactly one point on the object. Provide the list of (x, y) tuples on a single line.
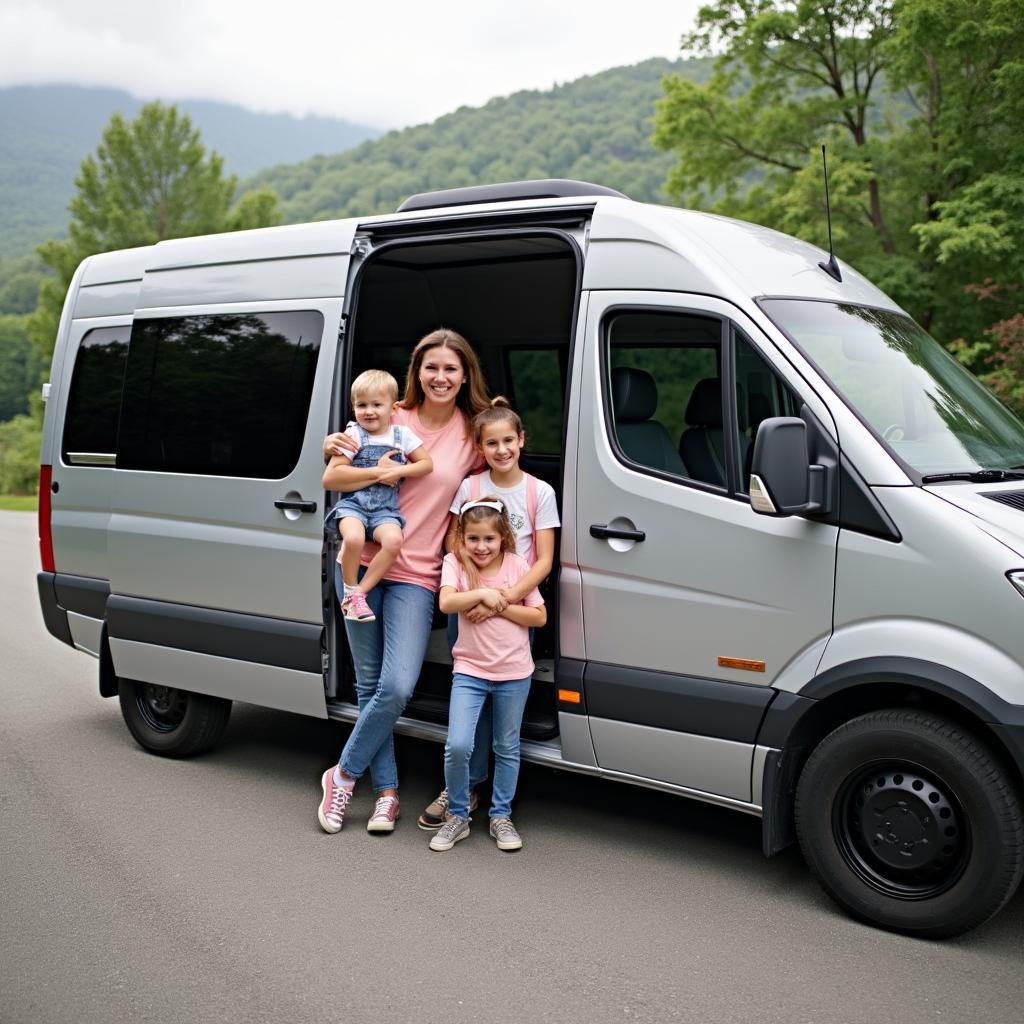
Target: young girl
[(492, 659), (533, 514)]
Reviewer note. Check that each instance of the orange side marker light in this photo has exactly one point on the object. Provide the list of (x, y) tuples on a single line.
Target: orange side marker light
[(570, 696)]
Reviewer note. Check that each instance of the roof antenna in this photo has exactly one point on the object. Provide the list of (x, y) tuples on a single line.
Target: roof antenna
[(832, 267)]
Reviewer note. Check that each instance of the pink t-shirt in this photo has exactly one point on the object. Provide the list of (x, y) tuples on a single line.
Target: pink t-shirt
[(496, 649), (424, 501)]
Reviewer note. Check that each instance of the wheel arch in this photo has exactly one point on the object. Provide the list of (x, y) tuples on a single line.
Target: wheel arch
[(794, 724)]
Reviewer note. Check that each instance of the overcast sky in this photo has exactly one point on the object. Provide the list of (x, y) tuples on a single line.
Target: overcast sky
[(388, 63)]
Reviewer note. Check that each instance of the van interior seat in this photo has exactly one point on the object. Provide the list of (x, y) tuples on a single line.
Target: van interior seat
[(645, 441), (702, 444)]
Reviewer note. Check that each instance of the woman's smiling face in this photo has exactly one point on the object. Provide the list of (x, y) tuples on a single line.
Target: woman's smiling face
[(441, 375)]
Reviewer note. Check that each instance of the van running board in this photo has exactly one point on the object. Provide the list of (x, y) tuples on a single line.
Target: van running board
[(536, 751), (549, 752)]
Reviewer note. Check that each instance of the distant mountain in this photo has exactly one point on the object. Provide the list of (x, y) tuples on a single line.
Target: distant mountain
[(595, 128), (46, 131)]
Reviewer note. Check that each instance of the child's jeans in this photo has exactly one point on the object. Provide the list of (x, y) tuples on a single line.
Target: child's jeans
[(508, 701), (482, 744)]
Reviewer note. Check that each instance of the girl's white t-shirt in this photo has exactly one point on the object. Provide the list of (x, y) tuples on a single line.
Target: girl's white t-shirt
[(515, 500)]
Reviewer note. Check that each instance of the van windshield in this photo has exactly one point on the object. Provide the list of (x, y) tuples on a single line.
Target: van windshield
[(924, 405)]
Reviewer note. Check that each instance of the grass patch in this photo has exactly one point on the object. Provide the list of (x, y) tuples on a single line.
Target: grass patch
[(19, 502)]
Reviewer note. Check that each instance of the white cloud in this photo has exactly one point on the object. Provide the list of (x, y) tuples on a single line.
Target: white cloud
[(388, 65)]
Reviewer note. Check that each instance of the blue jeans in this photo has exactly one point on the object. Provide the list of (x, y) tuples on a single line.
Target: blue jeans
[(482, 742), (508, 700), (388, 656)]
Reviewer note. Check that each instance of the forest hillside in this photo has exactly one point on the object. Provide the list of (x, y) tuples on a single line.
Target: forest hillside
[(47, 130), (596, 128)]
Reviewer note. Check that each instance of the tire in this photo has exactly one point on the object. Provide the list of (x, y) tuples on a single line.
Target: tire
[(170, 722), (910, 823)]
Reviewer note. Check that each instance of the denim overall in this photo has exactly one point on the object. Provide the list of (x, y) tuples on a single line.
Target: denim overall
[(374, 504)]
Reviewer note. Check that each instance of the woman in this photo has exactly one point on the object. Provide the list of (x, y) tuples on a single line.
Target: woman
[(444, 390)]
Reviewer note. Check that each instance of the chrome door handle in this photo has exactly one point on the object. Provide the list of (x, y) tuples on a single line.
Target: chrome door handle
[(602, 532), (298, 506)]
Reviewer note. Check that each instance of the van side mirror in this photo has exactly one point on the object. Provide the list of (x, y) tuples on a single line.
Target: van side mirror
[(782, 480)]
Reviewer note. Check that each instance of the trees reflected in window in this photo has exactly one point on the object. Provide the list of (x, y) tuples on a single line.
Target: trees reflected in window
[(225, 395)]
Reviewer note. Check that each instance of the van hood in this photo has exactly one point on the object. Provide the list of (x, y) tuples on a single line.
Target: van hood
[(1000, 509)]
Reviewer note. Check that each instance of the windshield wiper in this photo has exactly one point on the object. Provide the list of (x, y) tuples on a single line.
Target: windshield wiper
[(977, 476)]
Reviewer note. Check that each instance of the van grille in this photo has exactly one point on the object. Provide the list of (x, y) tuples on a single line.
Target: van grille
[(1015, 499)]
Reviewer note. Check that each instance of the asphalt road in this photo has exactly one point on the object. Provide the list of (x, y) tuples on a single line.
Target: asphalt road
[(139, 889)]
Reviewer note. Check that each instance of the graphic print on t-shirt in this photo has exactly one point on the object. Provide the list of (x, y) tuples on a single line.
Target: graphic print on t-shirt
[(516, 503)]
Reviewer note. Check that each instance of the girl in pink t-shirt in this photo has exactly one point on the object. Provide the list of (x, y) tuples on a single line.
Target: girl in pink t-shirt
[(492, 658)]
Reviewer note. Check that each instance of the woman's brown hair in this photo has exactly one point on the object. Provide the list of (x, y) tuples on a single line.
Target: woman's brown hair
[(498, 411), (472, 396), (472, 517)]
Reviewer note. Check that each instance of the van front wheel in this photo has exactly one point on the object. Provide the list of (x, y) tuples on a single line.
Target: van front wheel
[(910, 823), (172, 722)]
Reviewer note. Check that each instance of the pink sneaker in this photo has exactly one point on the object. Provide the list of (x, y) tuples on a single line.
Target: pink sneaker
[(356, 608), (385, 814), (331, 811)]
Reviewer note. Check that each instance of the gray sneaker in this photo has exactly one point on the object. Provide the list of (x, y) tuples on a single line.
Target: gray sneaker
[(450, 833), (504, 833)]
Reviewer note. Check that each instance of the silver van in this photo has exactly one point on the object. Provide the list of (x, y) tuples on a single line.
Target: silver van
[(791, 568)]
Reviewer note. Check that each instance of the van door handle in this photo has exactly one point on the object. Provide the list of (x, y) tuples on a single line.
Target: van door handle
[(298, 506), (602, 532)]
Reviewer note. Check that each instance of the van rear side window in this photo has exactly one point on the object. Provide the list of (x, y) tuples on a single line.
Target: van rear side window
[(90, 424), (219, 395)]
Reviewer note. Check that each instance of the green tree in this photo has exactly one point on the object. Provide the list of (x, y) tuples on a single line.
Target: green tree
[(19, 367), (19, 455), (150, 179), (920, 103), (19, 286)]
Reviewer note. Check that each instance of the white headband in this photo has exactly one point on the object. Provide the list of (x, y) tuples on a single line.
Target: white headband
[(496, 505)]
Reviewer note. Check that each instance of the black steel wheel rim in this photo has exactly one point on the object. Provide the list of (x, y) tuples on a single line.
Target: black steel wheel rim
[(162, 707), (902, 830)]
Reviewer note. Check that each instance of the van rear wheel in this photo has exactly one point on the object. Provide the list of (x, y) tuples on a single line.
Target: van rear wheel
[(910, 823), (172, 722)]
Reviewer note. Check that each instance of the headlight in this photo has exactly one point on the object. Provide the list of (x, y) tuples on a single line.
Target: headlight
[(1016, 577)]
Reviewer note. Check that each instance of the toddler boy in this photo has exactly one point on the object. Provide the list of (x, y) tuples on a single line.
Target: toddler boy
[(387, 453)]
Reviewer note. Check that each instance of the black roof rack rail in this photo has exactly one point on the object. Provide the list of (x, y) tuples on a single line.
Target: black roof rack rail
[(545, 188)]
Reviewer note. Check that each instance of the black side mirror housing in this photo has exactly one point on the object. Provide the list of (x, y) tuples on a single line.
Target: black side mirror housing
[(783, 481)]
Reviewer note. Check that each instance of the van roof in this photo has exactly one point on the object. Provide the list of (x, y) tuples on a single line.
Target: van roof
[(738, 260)]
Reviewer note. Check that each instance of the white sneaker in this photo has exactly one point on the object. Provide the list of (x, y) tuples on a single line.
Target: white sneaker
[(450, 833), (504, 833)]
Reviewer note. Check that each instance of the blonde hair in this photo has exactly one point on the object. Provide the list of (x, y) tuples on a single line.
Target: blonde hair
[(498, 411), (472, 396), (374, 382), (473, 516)]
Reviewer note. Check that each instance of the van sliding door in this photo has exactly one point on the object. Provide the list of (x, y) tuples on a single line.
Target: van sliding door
[(216, 534)]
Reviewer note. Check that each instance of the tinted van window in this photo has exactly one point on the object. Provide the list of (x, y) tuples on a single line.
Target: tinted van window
[(90, 423), (657, 363), (537, 392), (223, 395)]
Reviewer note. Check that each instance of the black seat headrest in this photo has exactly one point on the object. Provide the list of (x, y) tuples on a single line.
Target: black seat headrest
[(634, 395), (704, 408)]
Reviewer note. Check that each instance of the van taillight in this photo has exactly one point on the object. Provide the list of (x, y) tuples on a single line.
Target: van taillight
[(45, 538)]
